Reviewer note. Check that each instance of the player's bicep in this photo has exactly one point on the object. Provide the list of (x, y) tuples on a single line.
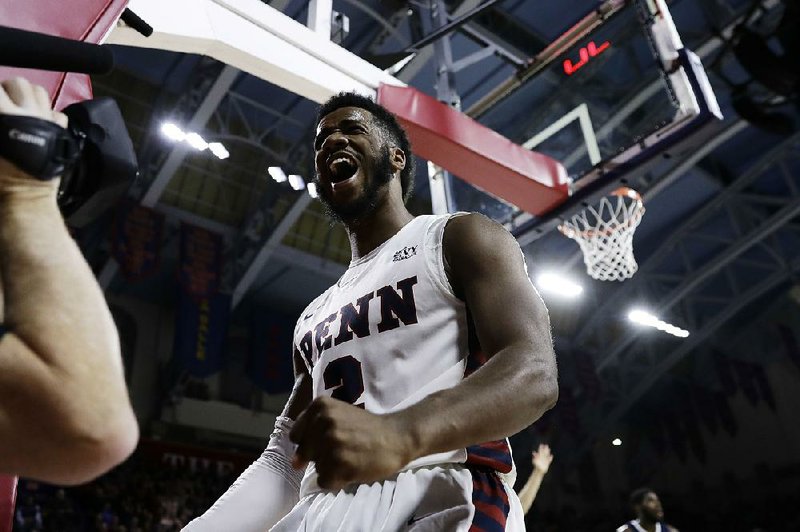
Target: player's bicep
[(487, 267)]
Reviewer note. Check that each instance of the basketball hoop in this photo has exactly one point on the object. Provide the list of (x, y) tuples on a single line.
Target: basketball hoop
[(605, 234)]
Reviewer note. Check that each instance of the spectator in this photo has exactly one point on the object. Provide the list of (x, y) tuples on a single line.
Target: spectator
[(541, 458)]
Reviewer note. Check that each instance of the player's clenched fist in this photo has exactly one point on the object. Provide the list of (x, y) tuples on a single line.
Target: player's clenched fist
[(348, 444)]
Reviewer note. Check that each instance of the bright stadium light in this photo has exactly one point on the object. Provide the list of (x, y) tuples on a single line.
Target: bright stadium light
[(558, 285), (297, 182), (642, 317), (172, 131), (196, 141), (219, 150), (616, 442), (277, 174), (312, 190)]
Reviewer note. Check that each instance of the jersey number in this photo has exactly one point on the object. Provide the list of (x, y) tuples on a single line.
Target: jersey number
[(344, 377)]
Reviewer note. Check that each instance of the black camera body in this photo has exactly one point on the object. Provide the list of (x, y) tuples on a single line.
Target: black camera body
[(107, 164), (94, 156)]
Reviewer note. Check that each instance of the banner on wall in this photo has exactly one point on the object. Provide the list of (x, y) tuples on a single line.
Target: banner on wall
[(200, 265), (201, 329), (136, 239), (202, 313), (269, 363)]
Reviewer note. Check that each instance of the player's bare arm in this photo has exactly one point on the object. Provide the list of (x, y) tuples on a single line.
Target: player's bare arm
[(487, 271), (65, 415)]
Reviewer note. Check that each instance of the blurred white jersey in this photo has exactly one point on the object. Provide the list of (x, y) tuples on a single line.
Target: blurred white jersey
[(391, 332)]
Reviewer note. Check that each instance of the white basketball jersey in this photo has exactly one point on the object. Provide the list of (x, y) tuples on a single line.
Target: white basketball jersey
[(391, 332)]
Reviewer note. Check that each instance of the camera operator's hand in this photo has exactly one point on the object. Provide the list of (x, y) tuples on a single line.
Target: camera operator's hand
[(19, 97)]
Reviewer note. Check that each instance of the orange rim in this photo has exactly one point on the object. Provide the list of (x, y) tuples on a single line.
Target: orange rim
[(591, 233)]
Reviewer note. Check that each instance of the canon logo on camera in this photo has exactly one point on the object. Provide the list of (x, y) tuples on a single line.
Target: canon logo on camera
[(16, 134)]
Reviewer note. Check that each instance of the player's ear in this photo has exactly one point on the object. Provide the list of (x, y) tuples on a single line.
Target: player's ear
[(398, 158)]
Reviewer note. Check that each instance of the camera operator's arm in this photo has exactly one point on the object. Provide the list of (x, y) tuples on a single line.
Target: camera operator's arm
[(65, 416)]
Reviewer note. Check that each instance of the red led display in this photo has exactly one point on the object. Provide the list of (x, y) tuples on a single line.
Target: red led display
[(585, 53)]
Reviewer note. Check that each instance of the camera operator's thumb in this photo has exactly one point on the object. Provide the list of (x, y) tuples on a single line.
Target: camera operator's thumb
[(18, 97)]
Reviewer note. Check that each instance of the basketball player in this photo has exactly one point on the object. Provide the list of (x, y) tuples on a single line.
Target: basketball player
[(541, 459), (412, 369), (649, 513), (65, 416)]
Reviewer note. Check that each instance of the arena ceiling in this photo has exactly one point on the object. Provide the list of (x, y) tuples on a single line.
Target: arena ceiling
[(720, 240)]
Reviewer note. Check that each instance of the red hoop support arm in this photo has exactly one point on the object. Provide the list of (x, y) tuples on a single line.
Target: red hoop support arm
[(448, 138)]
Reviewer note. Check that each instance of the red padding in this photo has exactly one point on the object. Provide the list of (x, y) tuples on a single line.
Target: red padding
[(8, 493), (82, 20), (533, 182)]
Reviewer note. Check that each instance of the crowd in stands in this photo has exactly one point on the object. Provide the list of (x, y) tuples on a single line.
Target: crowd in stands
[(134, 497), (143, 496)]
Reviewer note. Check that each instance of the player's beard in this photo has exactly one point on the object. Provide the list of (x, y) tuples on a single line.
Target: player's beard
[(380, 175)]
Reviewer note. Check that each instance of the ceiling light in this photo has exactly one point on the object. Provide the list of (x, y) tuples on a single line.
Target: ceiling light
[(172, 132), (277, 174), (312, 190), (196, 141), (642, 317), (296, 182), (558, 285), (219, 150), (616, 442)]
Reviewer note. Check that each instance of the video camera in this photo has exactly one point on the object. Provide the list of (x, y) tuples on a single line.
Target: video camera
[(94, 156)]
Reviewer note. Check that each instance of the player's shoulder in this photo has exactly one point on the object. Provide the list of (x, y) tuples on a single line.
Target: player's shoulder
[(625, 528), (475, 231), (472, 221)]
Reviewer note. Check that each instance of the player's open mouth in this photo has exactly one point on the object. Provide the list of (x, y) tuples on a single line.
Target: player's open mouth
[(343, 168)]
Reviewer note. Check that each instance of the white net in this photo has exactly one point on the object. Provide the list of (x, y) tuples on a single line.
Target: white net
[(605, 234)]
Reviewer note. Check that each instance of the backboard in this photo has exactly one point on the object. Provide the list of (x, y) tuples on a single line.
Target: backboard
[(611, 97)]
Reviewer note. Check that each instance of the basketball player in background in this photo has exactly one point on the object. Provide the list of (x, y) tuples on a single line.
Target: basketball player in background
[(649, 513), (65, 416), (412, 369), (541, 459)]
